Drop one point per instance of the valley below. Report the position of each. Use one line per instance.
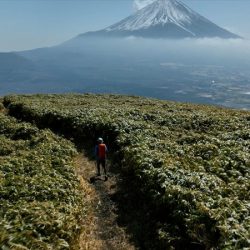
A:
(227, 86)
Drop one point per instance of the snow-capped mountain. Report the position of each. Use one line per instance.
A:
(165, 19)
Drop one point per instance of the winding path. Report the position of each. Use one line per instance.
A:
(100, 229)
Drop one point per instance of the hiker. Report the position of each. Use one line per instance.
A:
(101, 155)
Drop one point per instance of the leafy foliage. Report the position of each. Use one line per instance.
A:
(191, 162)
(40, 198)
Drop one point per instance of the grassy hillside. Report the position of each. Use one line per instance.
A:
(190, 163)
(40, 195)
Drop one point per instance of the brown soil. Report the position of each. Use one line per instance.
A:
(100, 227)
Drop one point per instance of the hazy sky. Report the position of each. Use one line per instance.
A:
(27, 24)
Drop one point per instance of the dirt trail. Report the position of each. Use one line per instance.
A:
(100, 228)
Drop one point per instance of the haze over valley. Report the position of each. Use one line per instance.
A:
(178, 61)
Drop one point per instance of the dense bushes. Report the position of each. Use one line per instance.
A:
(40, 196)
(191, 162)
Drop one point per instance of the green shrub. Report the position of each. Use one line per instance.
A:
(41, 205)
(190, 161)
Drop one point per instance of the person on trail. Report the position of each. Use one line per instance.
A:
(101, 155)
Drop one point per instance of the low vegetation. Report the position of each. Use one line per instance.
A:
(190, 163)
(40, 196)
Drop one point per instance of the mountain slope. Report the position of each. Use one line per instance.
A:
(187, 165)
(165, 19)
(14, 66)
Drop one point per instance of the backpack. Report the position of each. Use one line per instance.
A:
(102, 151)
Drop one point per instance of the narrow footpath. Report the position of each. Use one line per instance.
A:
(100, 228)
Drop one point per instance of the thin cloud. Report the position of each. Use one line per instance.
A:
(139, 4)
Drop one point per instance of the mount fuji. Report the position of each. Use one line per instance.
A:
(164, 19)
(168, 68)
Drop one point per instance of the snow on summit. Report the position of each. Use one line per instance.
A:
(158, 12)
(164, 19)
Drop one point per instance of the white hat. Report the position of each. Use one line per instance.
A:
(100, 139)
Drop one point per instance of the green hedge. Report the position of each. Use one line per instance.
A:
(40, 196)
(190, 161)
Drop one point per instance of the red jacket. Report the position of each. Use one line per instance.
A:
(101, 151)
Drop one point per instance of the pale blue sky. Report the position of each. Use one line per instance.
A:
(27, 24)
